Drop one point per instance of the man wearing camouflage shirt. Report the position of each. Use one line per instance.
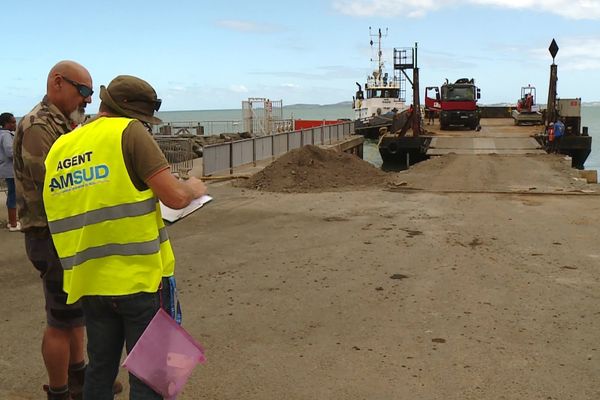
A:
(69, 90)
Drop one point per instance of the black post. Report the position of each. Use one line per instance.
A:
(416, 127)
(231, 158)
(272, 147)
(551, 107)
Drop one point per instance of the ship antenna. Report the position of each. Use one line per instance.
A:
(379, 35)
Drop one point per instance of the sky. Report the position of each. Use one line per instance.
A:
(204, 55)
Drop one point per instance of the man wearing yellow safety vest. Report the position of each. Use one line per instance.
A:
(100, 194)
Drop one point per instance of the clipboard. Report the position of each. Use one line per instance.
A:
(171, 215)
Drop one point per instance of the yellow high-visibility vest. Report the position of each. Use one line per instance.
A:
(109, 236)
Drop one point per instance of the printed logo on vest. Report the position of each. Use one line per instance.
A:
(78, 178)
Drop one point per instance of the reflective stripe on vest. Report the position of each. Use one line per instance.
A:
(103, 214)
(125, 249)
(110, 237)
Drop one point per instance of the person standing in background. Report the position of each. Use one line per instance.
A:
(559, 132)
(68, 92)
(8, 125)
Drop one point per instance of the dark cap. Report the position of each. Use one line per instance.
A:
(131, 97)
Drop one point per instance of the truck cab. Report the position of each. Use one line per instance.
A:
(456, 103)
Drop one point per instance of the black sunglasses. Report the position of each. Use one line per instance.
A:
(156, 103)
(83, 90)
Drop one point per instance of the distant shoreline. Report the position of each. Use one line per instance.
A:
(349, 105)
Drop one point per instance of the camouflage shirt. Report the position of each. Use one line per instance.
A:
(36, 133)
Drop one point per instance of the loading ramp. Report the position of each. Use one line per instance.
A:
(484, 145)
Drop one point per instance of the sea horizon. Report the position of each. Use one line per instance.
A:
(349, 104)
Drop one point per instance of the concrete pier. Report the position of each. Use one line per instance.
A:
(468, 276)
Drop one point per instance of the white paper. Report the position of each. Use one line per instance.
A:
(172, 215)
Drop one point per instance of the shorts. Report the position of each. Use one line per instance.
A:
(11, 194)
(42, 254)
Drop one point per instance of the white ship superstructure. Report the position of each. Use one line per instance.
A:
(383, 96)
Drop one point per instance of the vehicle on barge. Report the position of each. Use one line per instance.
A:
(527, 110)
(457, 105)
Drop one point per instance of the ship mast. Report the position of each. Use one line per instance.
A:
(378, 35)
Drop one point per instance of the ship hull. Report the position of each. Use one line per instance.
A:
(403, 151)
(370, 128)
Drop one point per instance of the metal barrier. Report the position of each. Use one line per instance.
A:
(226, 156)
(179, 153)
(213, 127)
(197, 128)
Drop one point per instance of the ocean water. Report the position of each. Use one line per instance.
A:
(590, 117)
(214, 120)
(231, 121)
(331, 111)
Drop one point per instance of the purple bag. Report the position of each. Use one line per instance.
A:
(164, 356)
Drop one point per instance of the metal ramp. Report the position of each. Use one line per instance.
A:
(484, 145)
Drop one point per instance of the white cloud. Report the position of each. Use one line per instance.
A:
(576, 53)
(369, 8)
(325, 73)
(247, 26)
(290, 85)
(572, 9)
(238, 88)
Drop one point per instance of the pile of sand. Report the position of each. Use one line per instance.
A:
(313, 169)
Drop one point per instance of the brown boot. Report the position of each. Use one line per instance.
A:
(59, 396)
(76, 378)
(62, 395)
(117, 388)
(12, 217)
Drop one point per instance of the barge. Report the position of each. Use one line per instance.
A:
(497, 134)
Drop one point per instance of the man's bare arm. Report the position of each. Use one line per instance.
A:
(175, 193)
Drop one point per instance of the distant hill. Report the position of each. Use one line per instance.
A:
(349, 104)
(497, 105)
(585, 104)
